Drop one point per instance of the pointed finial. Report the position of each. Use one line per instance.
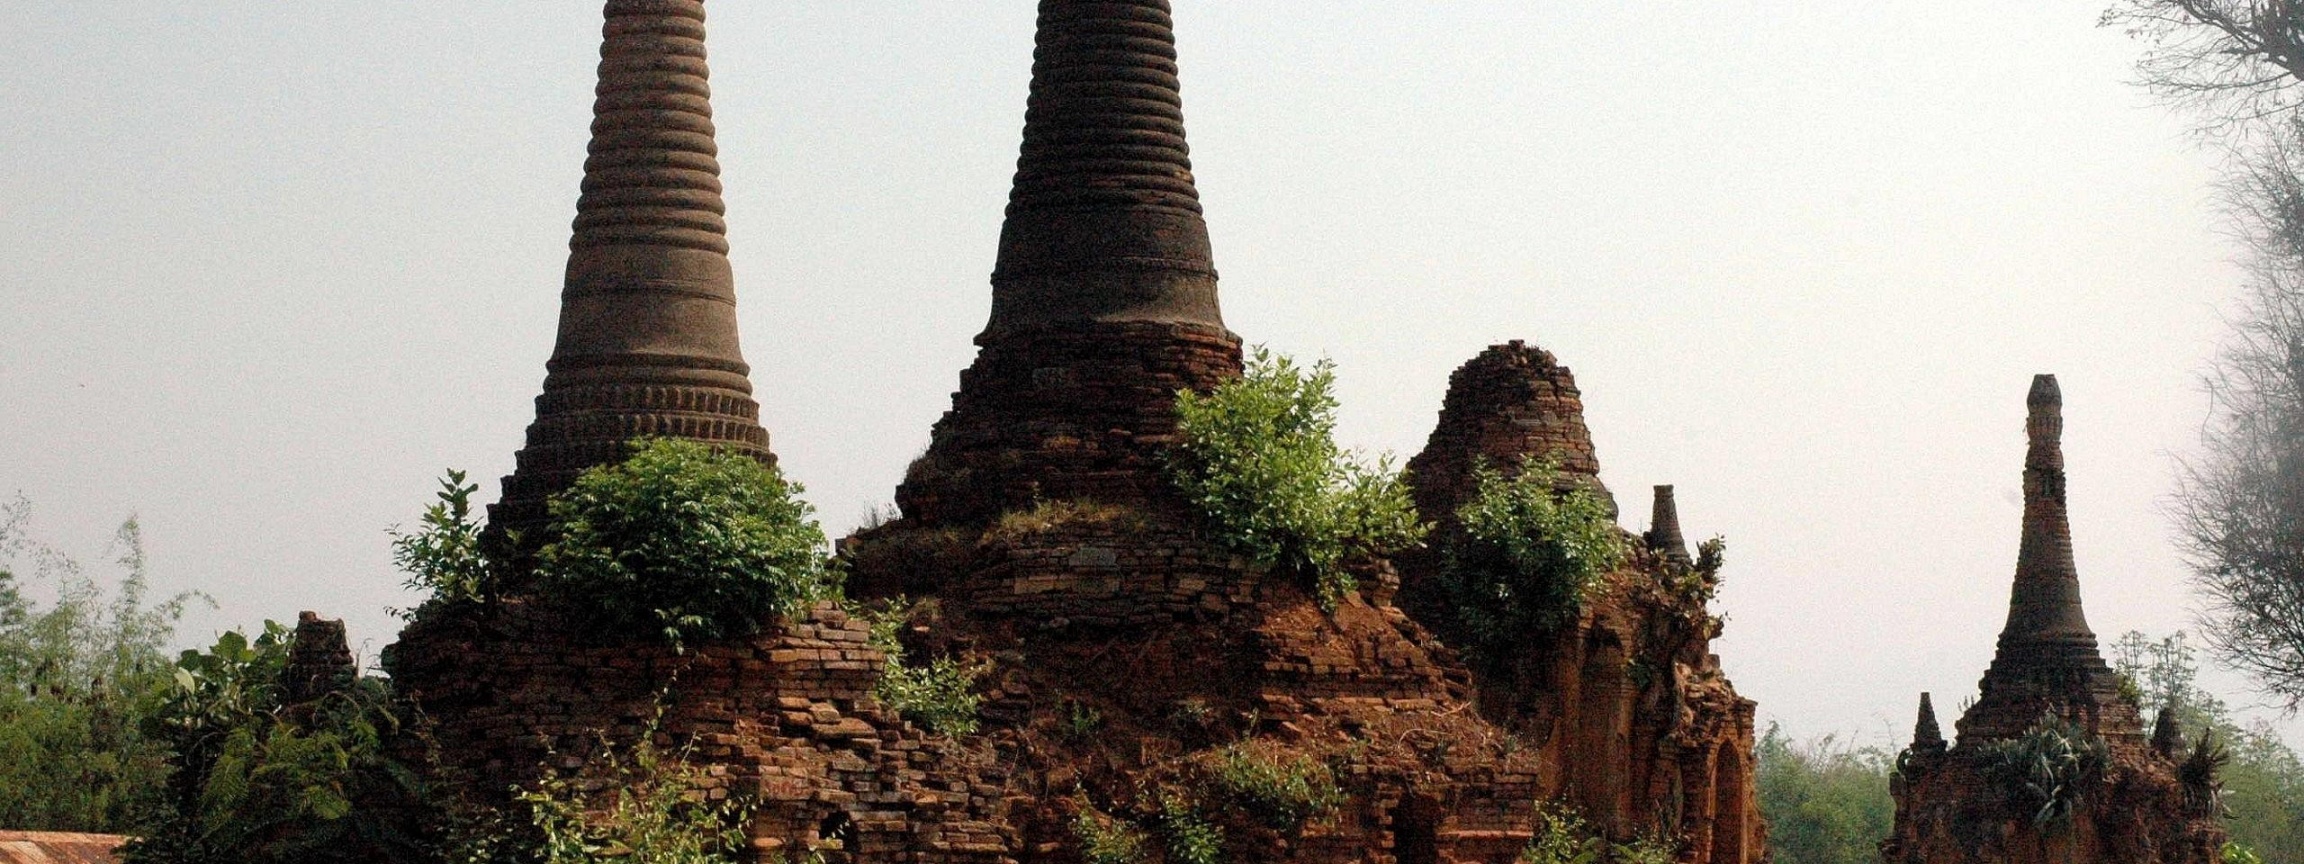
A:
(1926, 734)
(1664, 529)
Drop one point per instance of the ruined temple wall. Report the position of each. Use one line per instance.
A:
(787, 718)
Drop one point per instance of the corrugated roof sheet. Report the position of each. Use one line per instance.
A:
(40, 847)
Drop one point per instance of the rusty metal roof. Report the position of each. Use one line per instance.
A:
(39, 847)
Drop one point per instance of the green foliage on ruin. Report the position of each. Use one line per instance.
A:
(1563, 837)
(76, 674)
(1186, 832)
(939, 694)
(1106, 840)
(1283, 792)
(1528, 557)
(442, 558)
(636, 805)
(254, 778)
(2047, 773)
(1258, 457)
(1826, 802)
(683, 542)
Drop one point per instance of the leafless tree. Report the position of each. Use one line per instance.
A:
(2239, 504)
(2240, 63)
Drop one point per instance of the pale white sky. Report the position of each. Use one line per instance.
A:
(265, 270)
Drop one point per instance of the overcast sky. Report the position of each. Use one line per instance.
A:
(266, 269)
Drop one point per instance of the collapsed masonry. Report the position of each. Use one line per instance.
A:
(1963, 802)
(1046, 546)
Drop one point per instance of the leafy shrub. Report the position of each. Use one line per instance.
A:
(1826, 802)
(937, 695)
(76, 674)
(1561, 837)
(1258, 458)
(2200, 775)
(683, 541)
(1528, 556)
(2047, 772)
(656, 809)
(1189, 836)
(1283, 793)
(1105, 840)
(256, 779)
(443, 559)
(2235, 853)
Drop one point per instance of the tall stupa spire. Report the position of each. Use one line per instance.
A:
(1104, 294)
(2044, 615)
(2047, 658)
(647, 342)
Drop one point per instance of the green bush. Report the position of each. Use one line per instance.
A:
(1258, 458)
(2047, 772)
(1561, 837)
(938, 695)
(76, 676)
(1528, 557)
(443, 559)
(683, 541)
(655, 809)
(1825, 802)
(1283, 793)
(256, 779)
(1105, 840)
(1188, 835)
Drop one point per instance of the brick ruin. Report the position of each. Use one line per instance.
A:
(1954, 804)
(1044, 547)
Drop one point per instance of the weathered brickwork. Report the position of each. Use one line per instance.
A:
(1642, 729)
(1512, 403)
(1119, 652)
(1104, 295)
(1951, 809)
(1076, 413)
(788, 719)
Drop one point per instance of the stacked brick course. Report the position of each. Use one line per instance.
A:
(788, 719)
(1950, 808)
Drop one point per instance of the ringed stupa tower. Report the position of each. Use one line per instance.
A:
(1970, 802)
(647, 341)
(1104, 293)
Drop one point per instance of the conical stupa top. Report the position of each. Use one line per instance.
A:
(647, 341)
(1104, 220)
(1926, 735)
(1664, 528)
(2044, 605)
